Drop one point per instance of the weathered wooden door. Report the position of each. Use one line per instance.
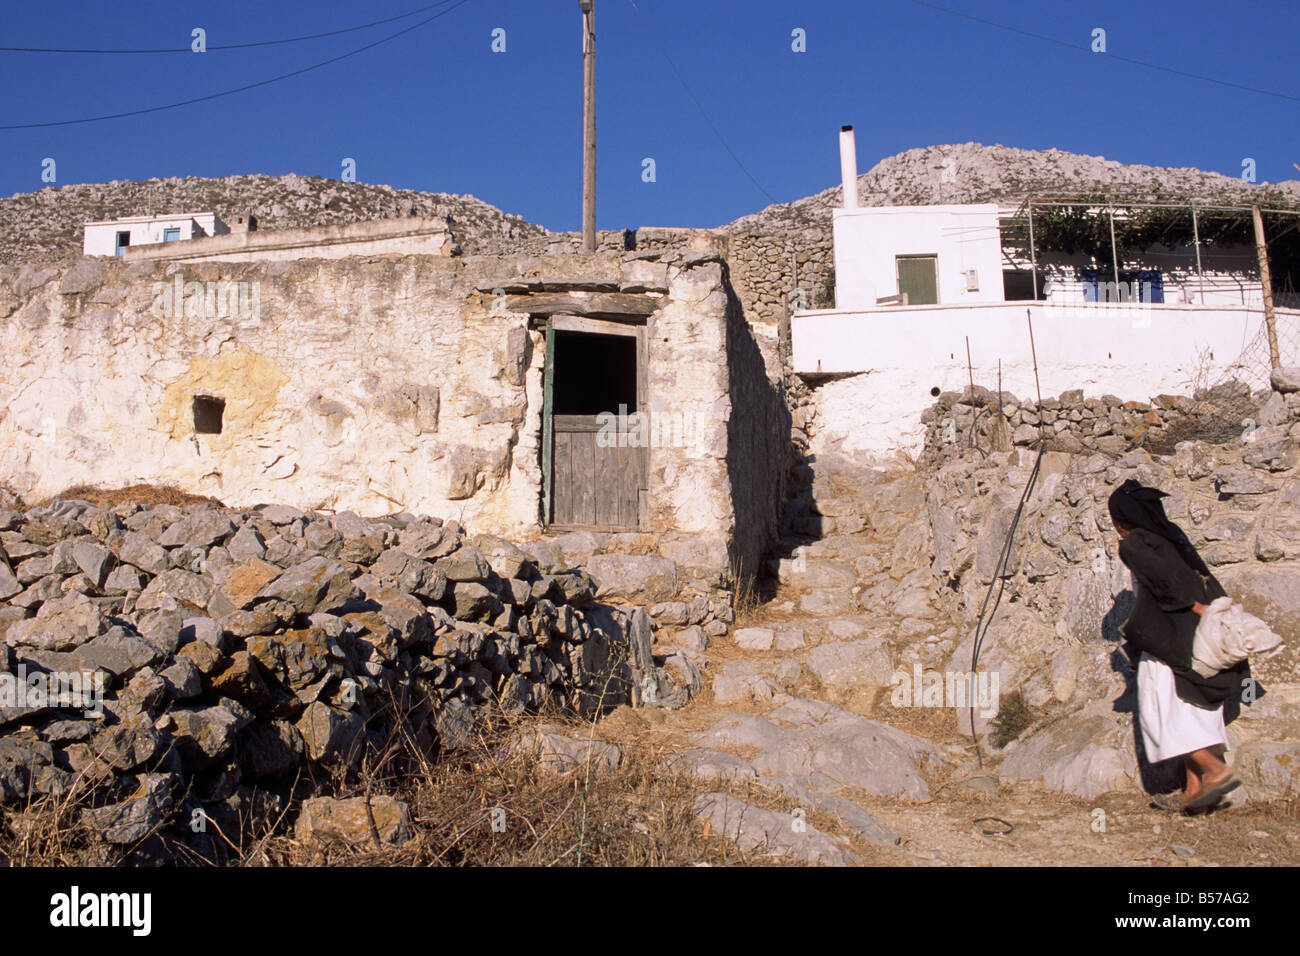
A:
(918, 279)
(595, 439)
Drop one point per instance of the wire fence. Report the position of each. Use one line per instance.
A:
(1254, 365)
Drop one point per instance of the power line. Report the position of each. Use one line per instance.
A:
(232, 46)
(698, 104)
(1111, 56)
(240, 89)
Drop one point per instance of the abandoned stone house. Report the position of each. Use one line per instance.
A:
(619, 398)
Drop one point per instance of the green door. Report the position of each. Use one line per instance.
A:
(918, 278)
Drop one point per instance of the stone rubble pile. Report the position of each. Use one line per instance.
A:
(195, 659)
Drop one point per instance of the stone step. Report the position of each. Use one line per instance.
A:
(807, 572)
(820, 525)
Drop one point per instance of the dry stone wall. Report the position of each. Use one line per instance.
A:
(1106, 423)
(177, 661)
(1063, 593)
(773, 271)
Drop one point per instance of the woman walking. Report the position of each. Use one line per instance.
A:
(1180, 712)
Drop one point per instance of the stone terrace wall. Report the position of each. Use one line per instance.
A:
(1054, 639)
(1105, 423)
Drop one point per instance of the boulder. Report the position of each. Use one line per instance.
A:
(639, 578)
(1286, 379)
(1083, 755)
(62, 624)
(140, 815)
(317, 583)
(756, 830)
(846, 664)
(355, 820)
(559, 753)
(329, 733)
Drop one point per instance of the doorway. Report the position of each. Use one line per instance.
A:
(595, 452)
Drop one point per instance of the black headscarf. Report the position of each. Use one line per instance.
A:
(1137, 506)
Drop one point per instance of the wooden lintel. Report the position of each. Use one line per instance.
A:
(612, 305)
(578, 323)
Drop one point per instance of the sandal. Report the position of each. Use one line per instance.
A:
(1167, 801)
(1213, 793)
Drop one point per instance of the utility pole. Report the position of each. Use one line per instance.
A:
(1266, 280)
(588, 8)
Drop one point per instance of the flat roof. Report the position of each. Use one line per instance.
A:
(173, 215)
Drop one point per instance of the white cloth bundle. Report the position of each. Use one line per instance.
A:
(1226, 635)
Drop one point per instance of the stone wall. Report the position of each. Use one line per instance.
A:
(1054, 637)
(773, 272)
(165, 662)
(384, 237)
(1106, 423)
(760, 446)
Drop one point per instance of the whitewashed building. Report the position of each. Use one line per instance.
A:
(929, 298)
(112, 237)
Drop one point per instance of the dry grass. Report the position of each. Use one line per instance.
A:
(142, 494)
(50, 831)
(491, 804)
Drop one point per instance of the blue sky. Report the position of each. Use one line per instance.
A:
(437, 110)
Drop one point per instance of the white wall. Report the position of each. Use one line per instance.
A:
(1133, 352)
(868, 239)
(101, 237)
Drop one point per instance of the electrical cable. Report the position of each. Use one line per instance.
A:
(231, 46)
(982, 624)
(681, 79)
(1112, 56)
(240, 89)
(1000, 579)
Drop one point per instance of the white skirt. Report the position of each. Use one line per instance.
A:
(1172, 727)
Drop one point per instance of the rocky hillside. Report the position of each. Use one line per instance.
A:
(48, 224)
(972, 172)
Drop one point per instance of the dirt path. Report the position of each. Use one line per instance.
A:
(811, 642)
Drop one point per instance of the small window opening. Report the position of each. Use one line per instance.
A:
(207, 414)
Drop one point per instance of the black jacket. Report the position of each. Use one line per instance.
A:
(1163, 623)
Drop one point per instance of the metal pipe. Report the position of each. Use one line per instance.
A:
(849, 166)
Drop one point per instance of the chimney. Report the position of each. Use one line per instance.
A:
(849, 166)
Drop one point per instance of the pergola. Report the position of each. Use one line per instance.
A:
(1088, 224)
